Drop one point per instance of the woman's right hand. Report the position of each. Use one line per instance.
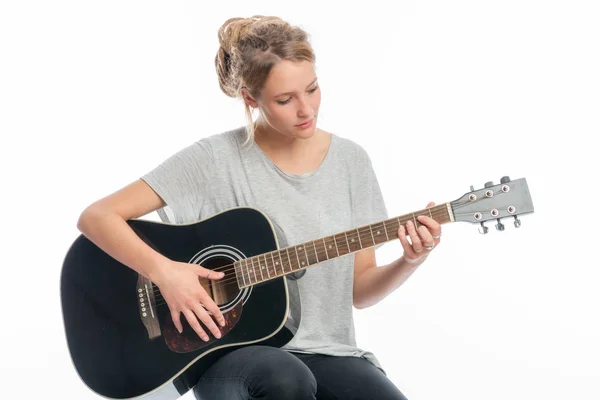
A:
(179, 285)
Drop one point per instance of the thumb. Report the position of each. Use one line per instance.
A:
(431, 204)
(210, 274)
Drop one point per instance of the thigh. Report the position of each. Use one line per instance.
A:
(349, 378)
(257, 372)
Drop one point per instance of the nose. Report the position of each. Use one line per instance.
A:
(305, 109)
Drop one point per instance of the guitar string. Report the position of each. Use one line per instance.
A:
(320, 255)
(222, 283)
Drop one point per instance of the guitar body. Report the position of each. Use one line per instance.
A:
(120, 351)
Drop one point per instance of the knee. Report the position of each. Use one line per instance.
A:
(289, 379)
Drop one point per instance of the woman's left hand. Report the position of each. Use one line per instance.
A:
(422, 240)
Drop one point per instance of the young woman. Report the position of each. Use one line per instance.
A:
(310, 183)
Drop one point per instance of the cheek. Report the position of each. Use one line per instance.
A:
(280, 115)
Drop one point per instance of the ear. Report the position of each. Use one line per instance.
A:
(248, 99)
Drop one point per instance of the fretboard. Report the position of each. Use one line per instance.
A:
(264, 267)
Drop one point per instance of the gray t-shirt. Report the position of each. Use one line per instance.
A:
(218, 172)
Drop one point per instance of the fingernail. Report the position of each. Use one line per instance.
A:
(222, 323)
(221, 274)
(218, 336)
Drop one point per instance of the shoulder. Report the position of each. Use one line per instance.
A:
(222, 142)
(351, 150)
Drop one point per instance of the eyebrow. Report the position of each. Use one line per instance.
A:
(281, 94)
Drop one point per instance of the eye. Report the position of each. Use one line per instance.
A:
(284, 102)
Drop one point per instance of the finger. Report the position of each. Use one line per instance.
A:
(430, 204)
(193, 321)
(433, 226)
(210, 274)
(206, 320)
(426, 237)
(175, 316)
(404, 241)
(414, 237)
(211, 306)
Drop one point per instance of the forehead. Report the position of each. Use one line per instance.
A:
(289, 76)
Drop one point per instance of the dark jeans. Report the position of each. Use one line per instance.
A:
(270, 373)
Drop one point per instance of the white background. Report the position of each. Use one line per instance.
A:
(443, 95)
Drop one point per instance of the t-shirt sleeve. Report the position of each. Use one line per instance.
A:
(183, 181)
(369, 206)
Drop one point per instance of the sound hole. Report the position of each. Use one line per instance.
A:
(223, 290)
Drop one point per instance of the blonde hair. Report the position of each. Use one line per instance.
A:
(249, 48)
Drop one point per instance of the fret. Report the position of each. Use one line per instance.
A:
(268, 269)
(236, 268)
(260, 268)
(353, 241)
(415, 220)
(316, 252)
(254, 270)
(285, 260)
(292, 260)
(302, 261)
(371, 230)
(366, 235)
(277, 262)
(378, 233)
(311, 258)
(359, 241)
(268, 266)
(342, 251)
(244, 274)
(385, 229)
(325, 248)
(336, 246)
(430, 216)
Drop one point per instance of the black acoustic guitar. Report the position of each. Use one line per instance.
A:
(118, 327)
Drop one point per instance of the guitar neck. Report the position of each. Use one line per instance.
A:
(281, 262)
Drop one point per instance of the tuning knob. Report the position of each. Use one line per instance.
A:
(517, 221)
(484, 229)
(488, 184)
(505, 179)
(499, 225)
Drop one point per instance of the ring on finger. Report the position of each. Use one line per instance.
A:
(438, 236)
(208, 274)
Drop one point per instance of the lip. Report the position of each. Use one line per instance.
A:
(306, 124)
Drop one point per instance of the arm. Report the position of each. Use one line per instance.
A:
(372, 283)
(105, 224)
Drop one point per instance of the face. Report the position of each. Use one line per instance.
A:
(291, 97)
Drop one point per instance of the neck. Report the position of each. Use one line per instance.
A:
(275, 142)
(264, 267)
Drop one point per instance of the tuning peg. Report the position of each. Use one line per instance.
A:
(488, 184)
(484, 229)
(517, 221)
(505, 179)
(499, 225)
(472, 188)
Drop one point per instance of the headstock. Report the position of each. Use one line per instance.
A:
(494, 202)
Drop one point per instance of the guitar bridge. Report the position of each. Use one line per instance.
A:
(147, 306)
